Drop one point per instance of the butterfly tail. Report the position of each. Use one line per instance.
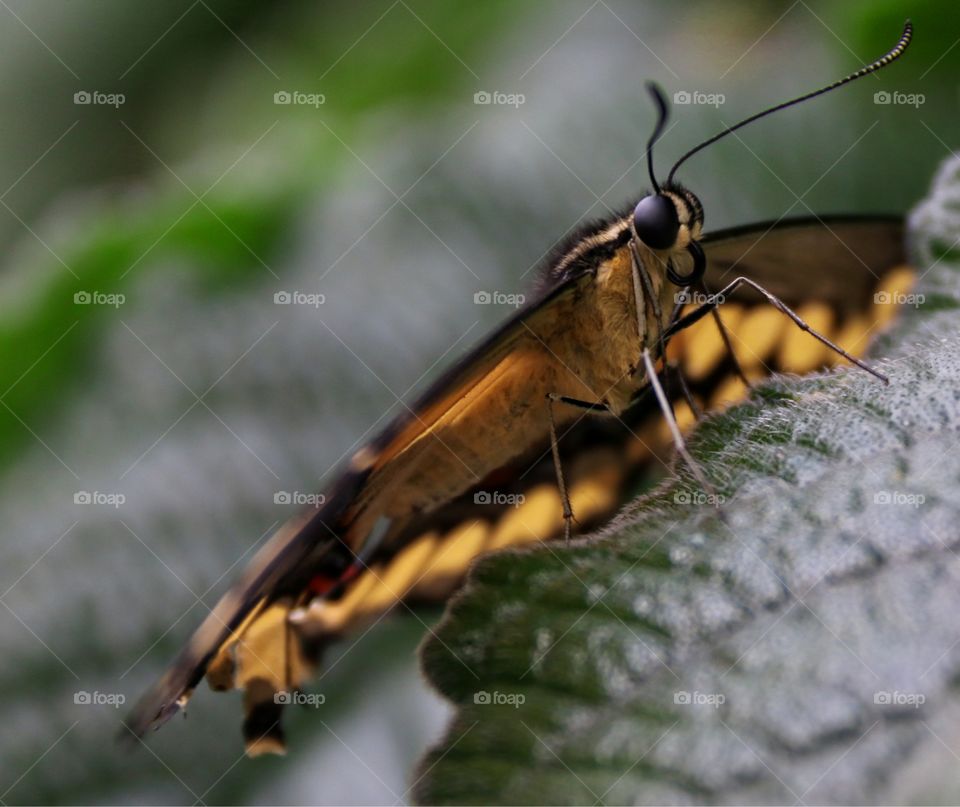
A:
(245, 641)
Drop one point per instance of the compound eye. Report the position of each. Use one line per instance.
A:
(655, 220)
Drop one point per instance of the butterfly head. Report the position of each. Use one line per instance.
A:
(670, 221)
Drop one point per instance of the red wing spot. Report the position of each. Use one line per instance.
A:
(321, 584)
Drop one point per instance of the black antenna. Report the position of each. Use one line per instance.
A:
(662, 114)
(890, 56)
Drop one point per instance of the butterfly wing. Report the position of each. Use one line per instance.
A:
(835, 259)
(835, 264)
(831, 271)
(327, 541)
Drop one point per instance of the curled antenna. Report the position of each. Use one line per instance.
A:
(662, 115)
(894, 53)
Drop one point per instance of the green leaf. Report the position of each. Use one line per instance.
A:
(804, 648)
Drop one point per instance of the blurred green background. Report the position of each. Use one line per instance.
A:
(146, 366)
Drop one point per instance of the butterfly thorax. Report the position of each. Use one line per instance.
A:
(611, 337)
(625, 308)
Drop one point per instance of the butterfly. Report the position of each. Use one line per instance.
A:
(641, 322)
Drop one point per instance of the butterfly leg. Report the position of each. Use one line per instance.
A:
(725, 336)
(672, 369)
(552, 398)
(671, 419)
(776, 302)
(685, 389)
(643, 291)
